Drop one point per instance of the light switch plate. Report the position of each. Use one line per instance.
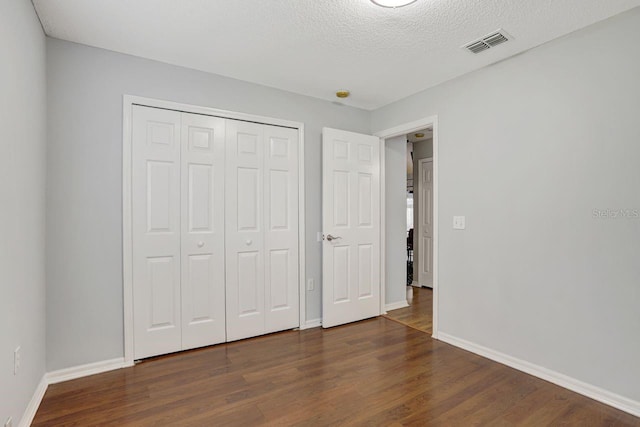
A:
(459, 222)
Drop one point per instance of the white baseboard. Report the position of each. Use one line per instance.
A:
(601, 395)
(86, 370)
(313, 323)
(396, 305)
(34, 403)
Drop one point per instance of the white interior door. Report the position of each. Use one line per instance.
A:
(261, 229)
(425, 222)
(202, 237)
(351, 226)
(156, 231)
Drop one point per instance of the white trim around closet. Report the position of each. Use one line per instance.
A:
(128, 102)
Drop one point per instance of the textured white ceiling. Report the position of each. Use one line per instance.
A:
(315, 47)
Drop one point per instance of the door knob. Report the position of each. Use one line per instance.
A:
(248, 242)
(200, 244)
(330, 237)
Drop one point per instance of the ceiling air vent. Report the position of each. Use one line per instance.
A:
(487, 42)
(478, 47)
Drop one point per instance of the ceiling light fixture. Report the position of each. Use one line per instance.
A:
(392, 3)
(343, 94)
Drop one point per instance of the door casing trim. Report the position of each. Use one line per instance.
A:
(399, 130)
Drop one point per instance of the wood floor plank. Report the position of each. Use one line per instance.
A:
(376, 372)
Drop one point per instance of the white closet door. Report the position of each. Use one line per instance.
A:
(261, 229)
(202, 241)
(281, 228)
(215, 230)
(244, 230)
(156, 231)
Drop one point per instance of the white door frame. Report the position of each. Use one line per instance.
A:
(127, 242)
(399, 130)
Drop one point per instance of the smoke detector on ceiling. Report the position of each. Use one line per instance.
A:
(492, 39)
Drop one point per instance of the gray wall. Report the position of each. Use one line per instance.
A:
(421, 150)
(396, 218)
(22, 189)
(528, 148)
(84, 243)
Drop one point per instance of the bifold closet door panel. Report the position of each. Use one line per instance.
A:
(261, 229)
(244, 219)
(281, 228)
(202, 237)
(156, 231)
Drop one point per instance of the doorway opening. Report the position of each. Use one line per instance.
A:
(418, 196)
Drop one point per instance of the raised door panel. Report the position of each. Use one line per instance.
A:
(156, 231)
(160, 197)
(341, 274)
(249, 284)
(366, 270)
(248, 198)
(279, 281)
(198, 278)
(201, 190)
(365, 200)
(427, 257)
(161, 285)
(341, 199)
(202, 238)
(279, 203)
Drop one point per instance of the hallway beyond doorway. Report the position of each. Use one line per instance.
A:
(419, 314)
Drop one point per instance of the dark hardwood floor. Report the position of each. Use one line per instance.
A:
(419, 314)
(372, 373)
